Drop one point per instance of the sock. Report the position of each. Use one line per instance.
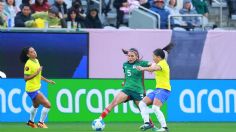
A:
(33, 112)
(144, 113)
(159, 115)
(44, 114)
(104, 113)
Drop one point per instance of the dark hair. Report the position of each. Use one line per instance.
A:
(175, 3)
(23, 55)
(161, 53)
(38, 4)
(23, 5)
(131, 50)
(76, 4)
(14, 3)
(71, 11)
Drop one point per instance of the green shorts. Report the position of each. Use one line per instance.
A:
(133, 95)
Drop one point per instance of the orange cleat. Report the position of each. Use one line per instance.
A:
(31, 124)
(42, 125)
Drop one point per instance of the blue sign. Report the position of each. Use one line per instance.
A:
(14, 102)
(62, 55)
(202, 100)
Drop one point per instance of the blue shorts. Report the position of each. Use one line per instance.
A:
(33, 94)
(160, 94)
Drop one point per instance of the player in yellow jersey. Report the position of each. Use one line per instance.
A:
(33, 77)
(162, 91)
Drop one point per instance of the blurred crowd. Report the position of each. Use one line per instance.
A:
(38, 14)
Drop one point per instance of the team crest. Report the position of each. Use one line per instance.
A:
(134, 66)
(26, 68)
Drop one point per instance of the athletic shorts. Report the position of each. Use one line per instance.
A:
(33, 94)
(133, 95)
(160, 94)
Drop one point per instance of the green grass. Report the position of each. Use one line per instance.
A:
(119, 127)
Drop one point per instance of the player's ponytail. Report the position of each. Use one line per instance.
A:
(161, 53)
(23, 55)
(125, 51)
(168, 47)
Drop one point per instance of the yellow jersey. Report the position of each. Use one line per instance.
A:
(31, 66)
(163, 76)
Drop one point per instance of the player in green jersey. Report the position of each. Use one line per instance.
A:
(133, 85)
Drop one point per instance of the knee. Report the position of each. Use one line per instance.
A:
(35, 105)
(141, 104)
(48, 105)
(155, 108)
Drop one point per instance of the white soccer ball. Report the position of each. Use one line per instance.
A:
(98, 125)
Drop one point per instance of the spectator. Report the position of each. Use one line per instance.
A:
(73, 17)
(23, 18)
(171, 7)
(25, 2)
(2, 16)
(120, 14)
(76, 4)
(92, 20)
(159, 7)
(145, 3)
(52, 17)
(10, 10)
(40, 5)
(106, 6)
(132, 4)
(232, 7)
(191, 22)
(201, 7)
(62, 7)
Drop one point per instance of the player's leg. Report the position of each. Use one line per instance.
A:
(41, 99)
(33, 109)
(160, 97)
(150, 120)
(144, 110)
(120, 97)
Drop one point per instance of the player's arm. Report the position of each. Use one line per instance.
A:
(29, 77)
(151, 68)
(47, 80)
(144, 88)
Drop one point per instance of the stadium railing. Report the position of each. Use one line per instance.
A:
(220, 3)
(187, 15)
(154, 13)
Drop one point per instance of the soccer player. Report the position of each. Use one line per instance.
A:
(133, 84)
(163, 89)
(33, 77)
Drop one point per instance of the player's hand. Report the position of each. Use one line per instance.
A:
(51, 82)
(139, 68)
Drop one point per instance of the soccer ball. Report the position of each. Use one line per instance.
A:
(98, 125)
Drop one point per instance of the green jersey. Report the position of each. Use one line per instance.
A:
(133, 77)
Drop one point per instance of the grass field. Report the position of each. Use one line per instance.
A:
(120, 127)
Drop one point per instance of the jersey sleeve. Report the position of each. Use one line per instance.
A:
(27, 69)
(144, 63)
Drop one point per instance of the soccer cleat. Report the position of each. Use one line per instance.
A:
(31, 124)
(146, 126)
(42, 125)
